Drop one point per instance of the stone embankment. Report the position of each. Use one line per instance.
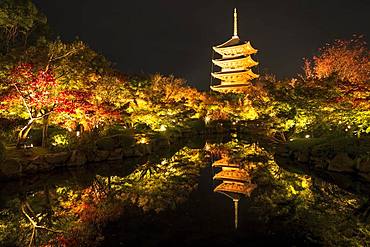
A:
(105, 149)
(350, 156)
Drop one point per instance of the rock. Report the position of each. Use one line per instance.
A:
(160, 143)
(90, 155)
(117, 154)
(128, 152)
(137, 152)
(107, 143)
(30, 168)
(302, 156)
(78, 158)
(143, 149)
(365, 176)
(38, 164)
(320, 163)
(43, 166)
(101, 155)
(364, 166)
(11, 168)
(57, 158)
(341, 163)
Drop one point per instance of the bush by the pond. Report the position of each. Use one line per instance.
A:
(61, 140)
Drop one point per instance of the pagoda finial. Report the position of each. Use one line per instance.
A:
(235, 23)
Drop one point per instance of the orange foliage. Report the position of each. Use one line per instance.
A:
(347, 59)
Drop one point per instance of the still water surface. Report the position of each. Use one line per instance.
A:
(170, 199)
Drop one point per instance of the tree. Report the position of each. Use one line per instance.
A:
(346, 59)
(37, 91)
(342, 72)
(19, 19)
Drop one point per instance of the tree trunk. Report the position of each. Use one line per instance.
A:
(45, 125)
(23, 133)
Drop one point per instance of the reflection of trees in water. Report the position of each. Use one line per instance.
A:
(72, 214)
(295, 203)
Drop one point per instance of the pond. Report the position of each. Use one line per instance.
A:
(175, 198)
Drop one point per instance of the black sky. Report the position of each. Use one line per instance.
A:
(175, 37)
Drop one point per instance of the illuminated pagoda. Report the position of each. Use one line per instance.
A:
(235, 64)
(236, 182)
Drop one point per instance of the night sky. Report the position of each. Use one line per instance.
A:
(175, 37)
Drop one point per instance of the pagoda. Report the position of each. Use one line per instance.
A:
(236, 63)
(235, 182)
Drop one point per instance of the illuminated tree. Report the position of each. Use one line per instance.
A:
(35, 90)
(346, 59)
(19, 21)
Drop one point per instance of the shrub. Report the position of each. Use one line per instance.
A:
(60, 140)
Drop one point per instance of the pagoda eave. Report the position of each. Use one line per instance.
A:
(231, 51)
(234, 175)
(230, 88)
(234, 187)
(242, 62)
(224, 163)
(235, 76)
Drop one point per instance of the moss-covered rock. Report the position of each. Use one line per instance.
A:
(57, 158)
(11, 168)
(341, 163)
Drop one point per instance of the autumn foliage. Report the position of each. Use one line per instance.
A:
(346, 59)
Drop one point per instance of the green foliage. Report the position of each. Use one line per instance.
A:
(20, 21)
(61, 140)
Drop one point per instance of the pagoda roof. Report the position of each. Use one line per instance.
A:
(230, 58)
(234, 174)
(234, 48)
(231, 42)
(236, 87)
(225, 162)
(235, 75)
(235, 187)
(231, 72)
(240, 61)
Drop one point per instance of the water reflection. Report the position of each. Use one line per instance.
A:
(79, 208)
(235, 180)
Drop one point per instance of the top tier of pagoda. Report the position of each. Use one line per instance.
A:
(235, 63)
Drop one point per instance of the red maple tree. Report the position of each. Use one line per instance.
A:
(40, 94)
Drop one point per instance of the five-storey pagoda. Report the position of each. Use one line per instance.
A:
(235, 64)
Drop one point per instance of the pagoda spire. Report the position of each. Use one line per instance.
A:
(235, 24)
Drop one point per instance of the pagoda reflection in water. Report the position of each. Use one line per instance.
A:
(235, 64)
(235, 182)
